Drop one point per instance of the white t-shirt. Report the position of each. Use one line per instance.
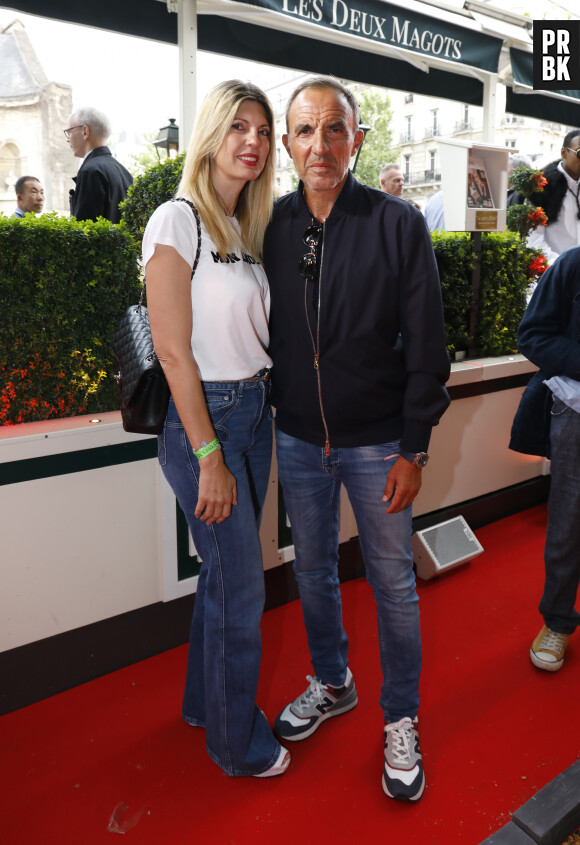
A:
(230, 300)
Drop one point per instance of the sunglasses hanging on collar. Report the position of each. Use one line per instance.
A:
(308, 262)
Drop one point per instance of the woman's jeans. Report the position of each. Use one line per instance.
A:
(311, 484)
(225, 642)
(562, 549)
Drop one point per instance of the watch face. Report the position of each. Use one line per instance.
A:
(421, 459)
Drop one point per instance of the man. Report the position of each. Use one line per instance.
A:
(102, 182)
(560, 201)
(392, 179)
(360, 364)
(435, 212)
(548, 336)
(29, 196)
(516, 160)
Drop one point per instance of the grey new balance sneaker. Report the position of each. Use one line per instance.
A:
(303, 716)
(403, 776)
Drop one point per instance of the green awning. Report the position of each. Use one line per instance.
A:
(394, 26)
(247, 41)
(312, 54)
(522, 98)
(142, 18)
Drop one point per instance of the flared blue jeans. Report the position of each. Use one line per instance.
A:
(225, 641)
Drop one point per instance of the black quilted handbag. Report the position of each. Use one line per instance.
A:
(142, 388)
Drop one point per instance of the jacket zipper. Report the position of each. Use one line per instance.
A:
(317, 350)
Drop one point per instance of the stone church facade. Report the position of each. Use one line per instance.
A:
(33, 112)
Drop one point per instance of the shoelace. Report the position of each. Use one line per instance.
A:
(313, 692)
(402, 737)
(552, 640)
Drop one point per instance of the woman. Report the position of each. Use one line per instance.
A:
(211, 334)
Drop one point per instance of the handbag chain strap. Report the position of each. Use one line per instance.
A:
(198, 251)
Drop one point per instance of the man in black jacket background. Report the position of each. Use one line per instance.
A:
(360, 363)
(101, 182)
(561, 201)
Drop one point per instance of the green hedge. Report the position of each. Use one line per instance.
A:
(505, 280)
(148, 191)
(63, 287)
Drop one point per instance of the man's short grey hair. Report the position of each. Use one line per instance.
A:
(520, 160)
(326, 82)
(386, 167)
(98, 122)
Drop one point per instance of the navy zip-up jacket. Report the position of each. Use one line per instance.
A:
(549, 336)
(383, 362)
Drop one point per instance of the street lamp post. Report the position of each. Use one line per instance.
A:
(364, 128)
(168, 139)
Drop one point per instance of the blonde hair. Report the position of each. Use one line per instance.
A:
(254, 208)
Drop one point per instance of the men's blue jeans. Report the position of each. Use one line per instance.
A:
(225, 641)
(562, 549)
(311, 484)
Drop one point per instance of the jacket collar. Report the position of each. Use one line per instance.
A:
(98, 151)
(344, 203)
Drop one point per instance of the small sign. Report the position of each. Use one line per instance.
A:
(486, 219)
(557, 55)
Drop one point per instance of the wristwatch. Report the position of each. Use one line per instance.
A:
(420, 459)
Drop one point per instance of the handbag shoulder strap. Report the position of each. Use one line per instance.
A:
(198, 251)
(198, 224)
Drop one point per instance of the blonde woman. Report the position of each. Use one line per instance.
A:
(211, 335)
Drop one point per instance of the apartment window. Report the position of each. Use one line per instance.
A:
(511, 145)
(407, 168)
(408, 98)
(409, 128)
(432, 159)
(435, 121)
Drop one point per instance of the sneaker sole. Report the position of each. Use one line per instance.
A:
(544, 664)
(404, 797)
(275, 771)
(309, 731)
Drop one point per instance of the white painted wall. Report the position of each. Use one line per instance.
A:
(90, 545)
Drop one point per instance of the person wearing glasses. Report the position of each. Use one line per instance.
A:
(101, 182)
(29, 196)
(360, 365)
(560, 201)
(209, 302)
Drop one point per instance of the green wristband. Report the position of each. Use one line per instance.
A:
(207, 448)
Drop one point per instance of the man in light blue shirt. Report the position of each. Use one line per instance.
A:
(29, 196)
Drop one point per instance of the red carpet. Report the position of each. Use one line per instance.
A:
(494, 730)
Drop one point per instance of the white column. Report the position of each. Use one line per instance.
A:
(490, 106)
(187, 42)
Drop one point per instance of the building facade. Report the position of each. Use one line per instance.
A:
(419, 123)
(33, 112)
